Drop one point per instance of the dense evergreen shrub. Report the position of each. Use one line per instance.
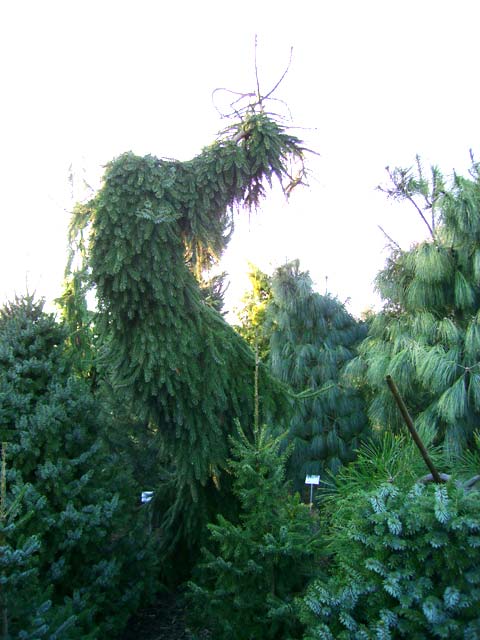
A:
(25, 610)
(405, 555)
(93, 559)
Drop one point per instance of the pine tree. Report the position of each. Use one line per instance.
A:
(427, 336)
(174, 361)
(92, 557)
(254, 568)
(313, 337)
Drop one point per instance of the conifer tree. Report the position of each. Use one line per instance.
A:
(253, 326)
(427, 336)
(313, 337)
(172, 359)
(254, 568)
(93, 560)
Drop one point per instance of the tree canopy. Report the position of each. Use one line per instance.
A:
(427, 336)
(313, 337)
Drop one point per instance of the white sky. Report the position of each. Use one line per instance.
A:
(373, 82)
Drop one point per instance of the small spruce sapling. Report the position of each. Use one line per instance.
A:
(249, 577)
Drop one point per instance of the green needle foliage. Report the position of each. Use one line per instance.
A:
(253, 569)
(253, 315)
(412, 569)
(404, 555)
(92, 556)
(156, 225)
(80, 341)
(313, 337)
(428, 335)
(24, 610)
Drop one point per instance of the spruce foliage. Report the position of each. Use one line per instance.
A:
(404, 553)
(25, 610)
(427, 336)
(80, 339)
(253, 315)
(406, 566)
(253, 569)
(313, 337)
(173, 360)
(92, 559)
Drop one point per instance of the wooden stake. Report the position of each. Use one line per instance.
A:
(414, 433)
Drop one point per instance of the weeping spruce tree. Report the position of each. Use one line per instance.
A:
(313, 337)
(156, 226)
(427, 336)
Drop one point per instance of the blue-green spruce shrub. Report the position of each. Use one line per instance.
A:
(407, 566)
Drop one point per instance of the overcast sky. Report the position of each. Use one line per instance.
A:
(372, 84)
